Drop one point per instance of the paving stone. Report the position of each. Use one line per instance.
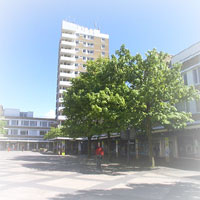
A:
(31, 175)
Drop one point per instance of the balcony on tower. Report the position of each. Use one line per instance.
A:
(67, 51)
(60, 100)
(67, 75)
(68, 35)
(65, 82)
(60, 108)
(67, 58)
(61, 91)
(67, 65)
(68, 43)
(61, 117)
(70, 67)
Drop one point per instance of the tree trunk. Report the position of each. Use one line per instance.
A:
(149, 134)
(89, 147)
(108, 144)
(136, 149)
(128, 146)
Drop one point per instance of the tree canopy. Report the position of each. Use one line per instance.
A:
(127, 91)
(53, 133)
(2, 127)
(97, 100)
(159, 88)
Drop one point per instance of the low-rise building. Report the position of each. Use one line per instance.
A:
(23, 131)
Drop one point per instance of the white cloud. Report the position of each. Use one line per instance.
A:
(50, 114)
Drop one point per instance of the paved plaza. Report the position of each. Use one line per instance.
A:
(34, 176)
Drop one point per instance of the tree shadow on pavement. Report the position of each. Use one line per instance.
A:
(179, 163)
(80, 164)
(175, 191)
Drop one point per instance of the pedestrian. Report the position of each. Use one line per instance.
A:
(156, 150)
(99, 156)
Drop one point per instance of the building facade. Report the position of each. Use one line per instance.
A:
(77, 45)
(189, 138)
(23, 131)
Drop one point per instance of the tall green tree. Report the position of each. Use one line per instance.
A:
(97, 101)
(160, 88)
(110, 101)
(127, 91)
(2, 126)
(53, 133)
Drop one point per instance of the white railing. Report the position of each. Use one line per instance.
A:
(72, 67)
(66, 35)
(60, 100)
(67, 43)
(68, 75)
(61, 91)
(60, 108)
(68, 51)
(66, 83)
(62, 117)
(65, 58)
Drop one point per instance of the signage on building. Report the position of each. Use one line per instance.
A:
(128, 134)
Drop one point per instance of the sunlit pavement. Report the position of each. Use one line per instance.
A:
(33, 176)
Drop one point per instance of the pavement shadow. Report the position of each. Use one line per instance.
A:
(177, 191)
(85, 165)
(80, 164)
(179, 163)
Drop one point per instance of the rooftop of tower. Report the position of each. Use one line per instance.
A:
(82, 30)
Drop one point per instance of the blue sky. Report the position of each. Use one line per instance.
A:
(30, 33)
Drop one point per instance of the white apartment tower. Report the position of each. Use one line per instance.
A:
(77, 45)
